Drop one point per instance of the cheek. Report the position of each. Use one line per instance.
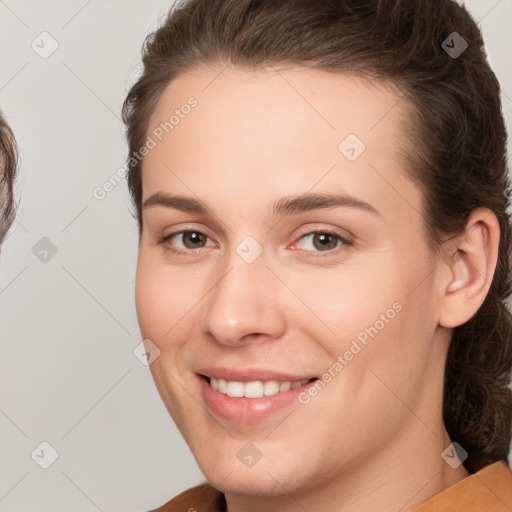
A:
(165, 298)
(155, 298)
(350, 300)
(145, 291)
(161, 311)
(380, 309)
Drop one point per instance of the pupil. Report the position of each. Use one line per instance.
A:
(194, 237)
(325, 240)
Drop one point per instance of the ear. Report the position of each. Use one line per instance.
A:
(469, 262)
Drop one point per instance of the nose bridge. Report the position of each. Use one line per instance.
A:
(243, 301)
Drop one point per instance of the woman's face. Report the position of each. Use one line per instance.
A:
(283, 241)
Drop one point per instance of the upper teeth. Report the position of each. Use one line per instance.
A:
(255, 389)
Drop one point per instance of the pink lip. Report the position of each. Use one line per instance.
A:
(247, 410)
(250, 375)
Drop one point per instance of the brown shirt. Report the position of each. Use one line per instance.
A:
(488, 490)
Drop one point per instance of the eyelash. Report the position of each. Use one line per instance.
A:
(309, 254)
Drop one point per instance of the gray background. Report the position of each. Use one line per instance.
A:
(68, 325)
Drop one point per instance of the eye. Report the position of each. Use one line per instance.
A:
(322, 241)
(183, 241)
(314, 242)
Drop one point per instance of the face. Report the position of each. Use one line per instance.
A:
(283, 250)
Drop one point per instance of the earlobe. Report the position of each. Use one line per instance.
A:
(471, 261)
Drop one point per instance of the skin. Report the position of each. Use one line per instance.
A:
(372, 438)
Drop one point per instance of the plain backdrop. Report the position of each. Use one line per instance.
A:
(68, 375)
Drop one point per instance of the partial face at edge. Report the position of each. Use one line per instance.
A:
(209, 299)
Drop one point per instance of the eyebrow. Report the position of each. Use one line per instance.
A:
(283, 207)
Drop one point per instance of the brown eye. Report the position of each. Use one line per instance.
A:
(321, 241)
(187, 239)
(322, 244)
(325, 241)
(193, 239)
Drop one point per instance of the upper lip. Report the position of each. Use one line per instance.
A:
(250, 374)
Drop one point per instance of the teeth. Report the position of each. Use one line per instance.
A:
(222, 385)
(254, 389)
(235, 389)
(285, 386)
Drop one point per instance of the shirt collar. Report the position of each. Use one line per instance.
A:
(487, 490)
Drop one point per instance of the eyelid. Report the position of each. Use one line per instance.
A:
(348, 236)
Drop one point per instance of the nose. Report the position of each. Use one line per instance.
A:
(245, 305)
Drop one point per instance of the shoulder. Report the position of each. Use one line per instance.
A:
(202, 498)
(488, 490)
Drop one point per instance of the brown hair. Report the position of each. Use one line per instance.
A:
(459, 139)
(8, 166)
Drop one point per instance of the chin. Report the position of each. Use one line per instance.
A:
(249, 483)
(262, 479)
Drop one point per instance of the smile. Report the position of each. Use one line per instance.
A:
(254, 389)
(249, 400)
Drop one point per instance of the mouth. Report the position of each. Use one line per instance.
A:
(254, 389)
(250, 395)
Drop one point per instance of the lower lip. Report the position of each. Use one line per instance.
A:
(247, 410)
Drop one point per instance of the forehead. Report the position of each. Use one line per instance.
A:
(278, 132)
(277, 101)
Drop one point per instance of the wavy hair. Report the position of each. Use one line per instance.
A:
(8, 167)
